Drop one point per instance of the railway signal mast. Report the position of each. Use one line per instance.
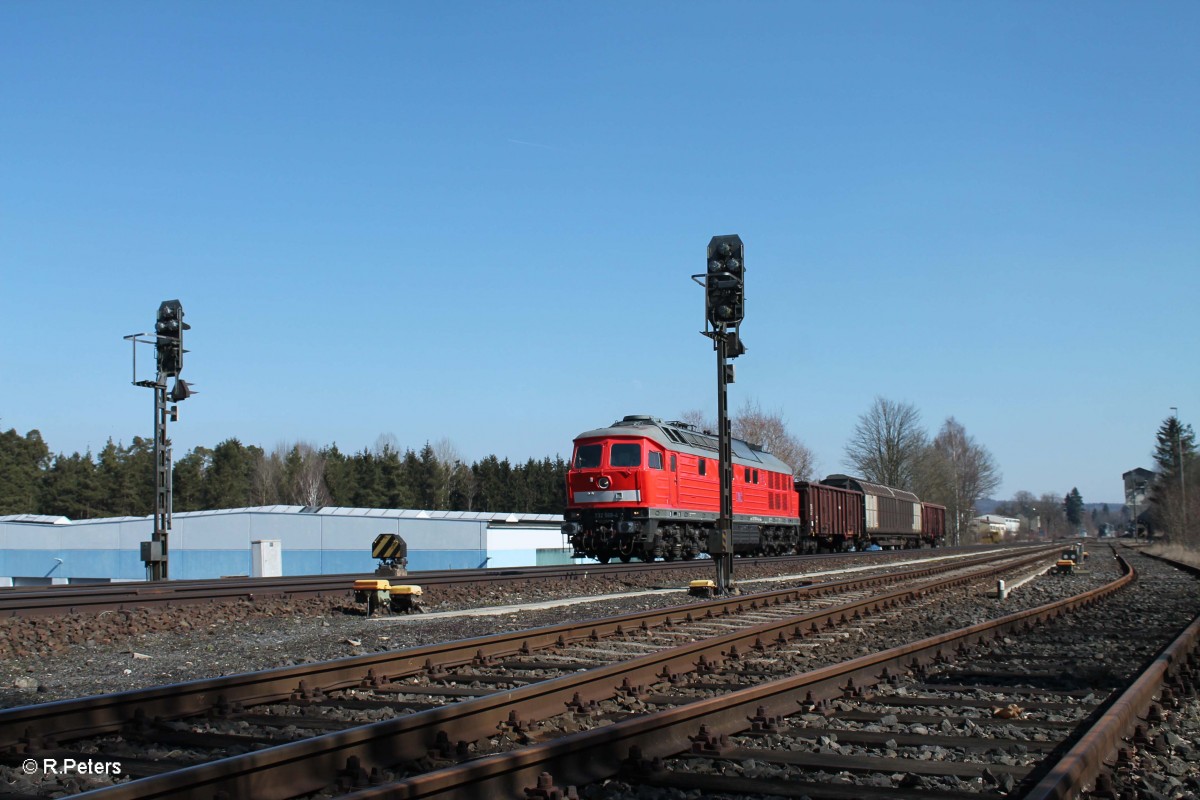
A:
(724, 309)
(168, 357)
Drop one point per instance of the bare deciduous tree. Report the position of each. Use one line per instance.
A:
(752, 424)
(1050, 512)
(456, 482)
(1023, 506)
(696, 418)
(960, 472)
(266, 481)
(756, 426)
(304, 476)
(888, 444)
(291, 473)
(385, 443)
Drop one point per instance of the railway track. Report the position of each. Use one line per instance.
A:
(49, 601)
(546, 670)
(988, 709)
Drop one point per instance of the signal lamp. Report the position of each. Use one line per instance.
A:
(724, 287)
(169, 346)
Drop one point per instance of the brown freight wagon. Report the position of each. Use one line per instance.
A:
(830, 518)
(891, 517)
(933, 524)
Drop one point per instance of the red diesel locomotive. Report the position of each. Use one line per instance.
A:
(650, 489)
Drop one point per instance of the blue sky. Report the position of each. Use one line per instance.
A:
(477, 220)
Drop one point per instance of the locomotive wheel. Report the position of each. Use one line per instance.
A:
(625, 559)
(602, 559)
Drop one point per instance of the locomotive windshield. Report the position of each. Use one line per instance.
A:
(625, 455)
(587, 456)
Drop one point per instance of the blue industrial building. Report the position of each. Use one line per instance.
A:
(211, 544)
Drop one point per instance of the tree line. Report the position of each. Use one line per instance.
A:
(119, 481)
(888, 446)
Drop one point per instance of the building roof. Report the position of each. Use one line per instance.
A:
(491, 517)
(680, 437)
(36, 519)
(1138, 472)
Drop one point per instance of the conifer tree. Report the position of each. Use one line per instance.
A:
(1073, 508)
(1171, 497)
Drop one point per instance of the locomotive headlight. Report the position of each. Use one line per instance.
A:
(604, 483)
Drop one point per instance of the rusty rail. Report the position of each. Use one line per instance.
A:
(49, 601)
(312, 764)
(1085, 761)
(603, 752)
(87, 716)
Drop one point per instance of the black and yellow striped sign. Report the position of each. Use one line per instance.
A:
(389, 545)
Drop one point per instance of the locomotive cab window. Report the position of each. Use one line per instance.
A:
(625, 455)
(587, 456)
(747, 474)
(672, 462)
(701, 467)
(654, 460)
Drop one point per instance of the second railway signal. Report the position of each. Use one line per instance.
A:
(168, 356)
(169, 329)
(724, 287)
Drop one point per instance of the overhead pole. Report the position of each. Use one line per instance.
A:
(168, 352)
(724, 303)
(722, 554)
(1183, 509)
(156, 566)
